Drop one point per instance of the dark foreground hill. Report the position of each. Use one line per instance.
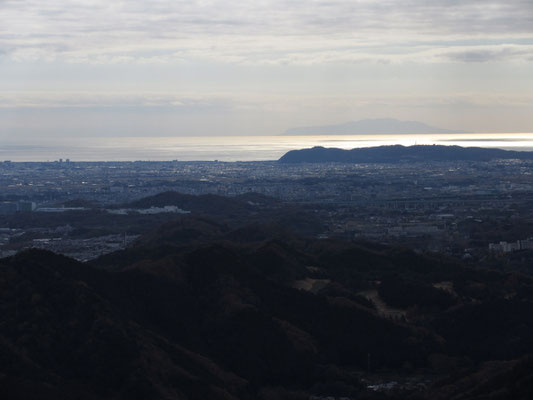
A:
(398, 153)
(255, 313)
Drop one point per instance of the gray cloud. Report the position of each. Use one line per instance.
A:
(247, 31)
(502, 53)
(261, 67)
(84, 100)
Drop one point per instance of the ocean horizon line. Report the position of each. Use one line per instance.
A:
(234, 148)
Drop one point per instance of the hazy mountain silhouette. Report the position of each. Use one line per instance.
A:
(381, 126)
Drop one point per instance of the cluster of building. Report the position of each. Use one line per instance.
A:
(148, 211)
(87, 248)
(505, 247)
(441, 206)
(12, 207)
(115, 182)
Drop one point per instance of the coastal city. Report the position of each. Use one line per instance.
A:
(468, 209)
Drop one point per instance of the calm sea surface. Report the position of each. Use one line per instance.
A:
(234, 148)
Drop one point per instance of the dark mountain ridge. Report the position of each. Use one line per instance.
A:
(398, 153)
(237, 313)
(206, 203)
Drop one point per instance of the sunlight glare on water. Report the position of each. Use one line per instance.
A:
(237, 148)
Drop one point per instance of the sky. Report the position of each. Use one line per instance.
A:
(72, 68)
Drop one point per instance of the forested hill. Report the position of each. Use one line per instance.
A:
(398, 153)
(254, 313)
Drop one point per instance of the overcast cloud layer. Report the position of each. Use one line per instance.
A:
(259, 67)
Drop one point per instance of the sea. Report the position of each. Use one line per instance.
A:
(234, 148)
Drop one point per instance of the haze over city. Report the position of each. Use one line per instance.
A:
(188, 68)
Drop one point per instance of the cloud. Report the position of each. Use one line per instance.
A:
(277, 103)
(490, 53)
(272, 64)
(272, 32)
(107, 100)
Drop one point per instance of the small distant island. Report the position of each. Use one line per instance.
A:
(380, 126)
(398, 153)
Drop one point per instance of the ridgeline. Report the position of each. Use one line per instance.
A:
(256, 313)
(400, 154)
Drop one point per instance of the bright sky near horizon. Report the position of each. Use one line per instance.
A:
(73, 68)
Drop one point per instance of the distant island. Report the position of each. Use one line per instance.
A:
(381, 126)
(398, 153)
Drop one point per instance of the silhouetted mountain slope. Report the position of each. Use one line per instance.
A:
(187, 230)
(398, 153)
(496, 380)
(209, 204)
(239, 314)
(236, 211)
(57, 321)
(224, 213)
(257, 325)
